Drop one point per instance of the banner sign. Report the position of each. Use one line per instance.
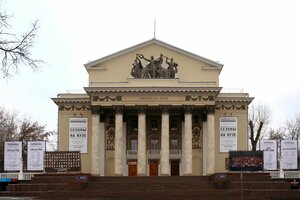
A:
(78, 134)
(289, 154)
(246, 161)
(35, 155)
(269, 147)
(228, 134)
(12, 156)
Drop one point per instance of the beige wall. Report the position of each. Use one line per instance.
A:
(241, 137)
(63, 143)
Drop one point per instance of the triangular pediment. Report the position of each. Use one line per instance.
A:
(117, 69)
(150, 42)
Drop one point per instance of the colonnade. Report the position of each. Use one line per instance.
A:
(187, 154)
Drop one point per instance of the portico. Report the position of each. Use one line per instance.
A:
(153, 110)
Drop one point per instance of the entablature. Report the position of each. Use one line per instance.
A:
(238, 101)
(72, 103)
(153, 95)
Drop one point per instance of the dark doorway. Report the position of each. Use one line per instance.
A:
(153, 165)
(132, 168)
(174, 167)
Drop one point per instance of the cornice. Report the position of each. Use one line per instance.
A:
(137, 90)
(243, 100)
(233, 103)
(59, 101)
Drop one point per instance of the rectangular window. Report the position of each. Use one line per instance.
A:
(134, 144)
(154, 144)
(174, 144)
(154, 125)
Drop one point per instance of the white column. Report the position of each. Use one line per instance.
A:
(102, 149)
(210, 141)
(142, 161)
(119, 168)
(164, 153)
(204, 149)
(124, 154)
(188, 153)
(95, 144)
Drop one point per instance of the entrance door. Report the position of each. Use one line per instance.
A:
(174, 167)
(132, 168)
(153, 167)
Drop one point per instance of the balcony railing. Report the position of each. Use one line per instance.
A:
(131, 152)
(175, 151)
(153, 152)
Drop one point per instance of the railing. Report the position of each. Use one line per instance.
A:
(175, 151)
(27, 176)
(131, 152)
(287, 174)
(153, 152)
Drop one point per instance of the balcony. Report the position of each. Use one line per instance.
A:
(131, 154)
(153, 153)
(175, 153)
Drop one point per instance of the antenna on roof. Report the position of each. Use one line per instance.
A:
(154, 28)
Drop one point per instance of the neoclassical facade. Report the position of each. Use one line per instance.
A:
(153, 110)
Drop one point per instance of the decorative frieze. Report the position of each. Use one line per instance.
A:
(231, 107)
(199, 98)
(74, 108)
(107, 98)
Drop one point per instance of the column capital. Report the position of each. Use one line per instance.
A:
(165, 108)
(118, 109)
(187, 109)
(142, 108)
(96, 110)
(210, 109)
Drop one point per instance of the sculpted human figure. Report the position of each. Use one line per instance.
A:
(159, 69)
(151, 67)
(172, 69)
(137, 68)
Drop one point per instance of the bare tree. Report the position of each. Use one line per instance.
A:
(278, 134)
(259, 118)
(293, 128)
(14, 129)
(14, 49)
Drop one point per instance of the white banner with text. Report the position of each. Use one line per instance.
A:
(78, 134)
(12, 156)
(269, 147)
(35, 155)
(289, 154)
(228, 134)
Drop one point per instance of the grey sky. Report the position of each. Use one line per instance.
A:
(257, 41)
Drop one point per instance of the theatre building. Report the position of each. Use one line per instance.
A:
(153, 110)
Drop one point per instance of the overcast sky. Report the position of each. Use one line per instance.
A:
(258, 42)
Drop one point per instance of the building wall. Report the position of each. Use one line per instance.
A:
(63, 143)
(242, 119)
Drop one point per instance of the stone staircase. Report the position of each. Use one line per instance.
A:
(219, 186)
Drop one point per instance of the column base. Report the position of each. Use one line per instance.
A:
(187, 174)
(164, 175)
(119, 175)
(142, 175)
